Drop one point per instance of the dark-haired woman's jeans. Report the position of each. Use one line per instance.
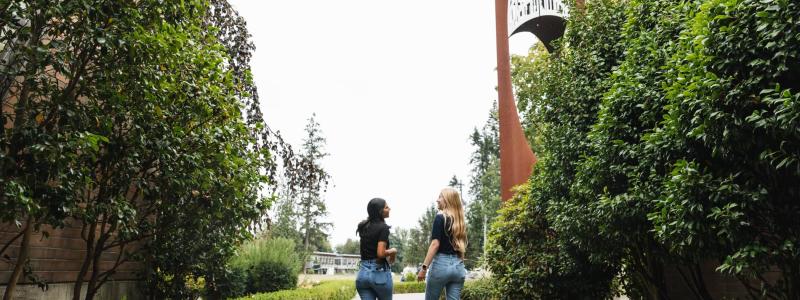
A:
(445, 272)
(374, 281)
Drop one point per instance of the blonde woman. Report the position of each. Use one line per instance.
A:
(443, 266)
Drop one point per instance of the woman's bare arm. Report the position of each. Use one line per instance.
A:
(432, 249)
(383, 252)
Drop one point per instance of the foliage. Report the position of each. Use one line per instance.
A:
(410, 276)
(233, 283)
(479, 289)
(167, 149)
(400, 239)
(530, 256)
(732, 114)
(267, 264)
(484, 187)
(302, 209)
(285, 218)
(419, 238)
(614, 226)
(279, 250)
(409, 287)
(329, 290)
(349, 247)
(666, 132)
(538, 266)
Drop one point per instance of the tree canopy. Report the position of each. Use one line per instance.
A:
(667, 138)
(139, 122)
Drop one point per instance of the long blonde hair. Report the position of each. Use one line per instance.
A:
(453, 211)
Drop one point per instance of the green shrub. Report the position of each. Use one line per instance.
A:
(409, 277)
(733, 115)
(271, 276)
(480, 289)
(234, 283)
(473, 289)
(330, 290)
(528, 261)
(264, 265)
(279, 250)
(667, 137)
(533, 251)
(409, 287)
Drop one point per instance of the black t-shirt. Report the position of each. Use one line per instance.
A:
(370, 236)
(439, 232)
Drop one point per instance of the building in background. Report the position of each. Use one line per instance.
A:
(331, 263)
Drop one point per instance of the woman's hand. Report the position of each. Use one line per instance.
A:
(421, 274)
(391, 255)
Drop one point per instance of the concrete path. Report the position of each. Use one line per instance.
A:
(419, 296)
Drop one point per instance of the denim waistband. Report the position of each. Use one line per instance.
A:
(446, 258)
(446, 254)
(374, 264)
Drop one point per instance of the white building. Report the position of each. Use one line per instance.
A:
(332, 263)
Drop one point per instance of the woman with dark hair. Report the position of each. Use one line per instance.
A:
(374, 280)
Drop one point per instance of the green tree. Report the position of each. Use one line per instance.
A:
(456, 184)
(167, 148)
(732, 117)
(349, 247)
(529, 256)
(618, 164)
(419, 238)
(299, 208)
(666, 137)
(400, 238)
(285, 219)
(311, 206)
(484, 187)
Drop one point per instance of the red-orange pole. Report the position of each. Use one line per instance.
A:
(516, 156)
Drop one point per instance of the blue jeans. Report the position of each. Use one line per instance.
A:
(445, 272)
(374, 281)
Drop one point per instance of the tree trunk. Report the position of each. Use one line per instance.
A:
(93, 286)
(792, 278)
(700, 282)
(87, 260)
(22, 259)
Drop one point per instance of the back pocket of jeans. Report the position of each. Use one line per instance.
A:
(379, 277)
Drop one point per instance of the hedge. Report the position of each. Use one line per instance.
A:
(409, 287)
(329, 290)
(481, 289)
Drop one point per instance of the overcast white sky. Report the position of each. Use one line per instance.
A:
(397, 87)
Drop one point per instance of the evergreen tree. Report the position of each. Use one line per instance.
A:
(401, 239)
(484, 187)
(420, 237)
(311, 206)
(350, 247)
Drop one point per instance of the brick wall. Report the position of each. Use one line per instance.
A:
(719, 286)
(59, 257)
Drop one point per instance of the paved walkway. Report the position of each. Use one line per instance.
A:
(408, 296)
(419, 296)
